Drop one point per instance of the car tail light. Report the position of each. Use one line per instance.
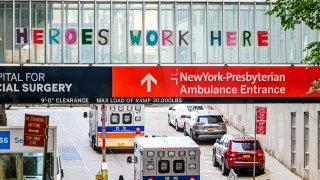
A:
(260, 156)
(150, 178)
(192, 178)
(199, 123)
(183, 116)
(231, 155)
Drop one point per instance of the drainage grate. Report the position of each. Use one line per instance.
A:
(69, 153)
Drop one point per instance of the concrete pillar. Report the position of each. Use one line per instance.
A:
(3, 117)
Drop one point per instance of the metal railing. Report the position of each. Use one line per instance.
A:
(232, 175)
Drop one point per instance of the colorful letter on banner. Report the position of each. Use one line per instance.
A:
(247, 38)
(103, 36)
(215, 38)
(184, 38)
(86, 36)
(71, 36)
(152, 38)
(54, 36)
(167, 36)
(21, 35)
(231, 38)
(135, 36)
(263, 38)
(38, 35)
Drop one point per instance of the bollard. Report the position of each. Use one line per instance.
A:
(104, 170)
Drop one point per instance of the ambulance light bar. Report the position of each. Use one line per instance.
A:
(182, 153)
(160, 153)
(192, 153)
(192, 166)
(138, 108)
(150, 167)
(121, 108)
(137, 119)
(150, 153)
(171, 153)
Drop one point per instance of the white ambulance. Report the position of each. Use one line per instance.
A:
(165, 158)
(123, 123)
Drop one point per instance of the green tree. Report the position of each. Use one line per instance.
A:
(292, 12)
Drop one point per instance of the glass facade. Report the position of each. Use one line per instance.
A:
(147, 32)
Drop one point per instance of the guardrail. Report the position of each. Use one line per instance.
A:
(232, 175)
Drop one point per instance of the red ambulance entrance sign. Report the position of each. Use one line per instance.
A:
(214, 81)
(35, 130)
(261, 120)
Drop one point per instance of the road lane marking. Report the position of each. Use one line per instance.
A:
(82, 159)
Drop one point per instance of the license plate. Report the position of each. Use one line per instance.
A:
(120, 144)
(210, 129)
(246, 156)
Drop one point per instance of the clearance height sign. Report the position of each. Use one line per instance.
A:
(168, 84)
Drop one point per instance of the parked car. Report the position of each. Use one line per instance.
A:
(236, 151)
(179, 113)
(205, 125)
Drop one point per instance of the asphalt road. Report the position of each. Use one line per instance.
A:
(81, 162)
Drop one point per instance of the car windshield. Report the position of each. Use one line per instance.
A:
(191, 108)
(244, 145)
(210, 119)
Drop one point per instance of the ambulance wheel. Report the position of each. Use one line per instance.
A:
(93, 143)
(169, 122)
(214, 160)
(224, 169)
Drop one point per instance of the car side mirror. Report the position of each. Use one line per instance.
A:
(132, 159)
(170, 108)
(129, 159)
(85, 114)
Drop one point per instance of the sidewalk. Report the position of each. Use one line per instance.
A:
(274, 169)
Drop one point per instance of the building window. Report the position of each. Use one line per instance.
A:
(183, 40)
(293, 139)
(231, 32)
(136, 33)
(103, 41)
(215, 42)
(199, 32)
(87, 35)
(262, 24)
(167, 27)
(318, 139)
(71, 33)
(54, 54)
(306, 139)
(119, 39)
(151, 53)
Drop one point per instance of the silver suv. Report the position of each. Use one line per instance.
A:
(205, 125)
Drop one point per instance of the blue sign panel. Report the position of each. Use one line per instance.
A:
(4, 139)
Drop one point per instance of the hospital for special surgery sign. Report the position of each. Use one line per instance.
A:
(35, 130)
